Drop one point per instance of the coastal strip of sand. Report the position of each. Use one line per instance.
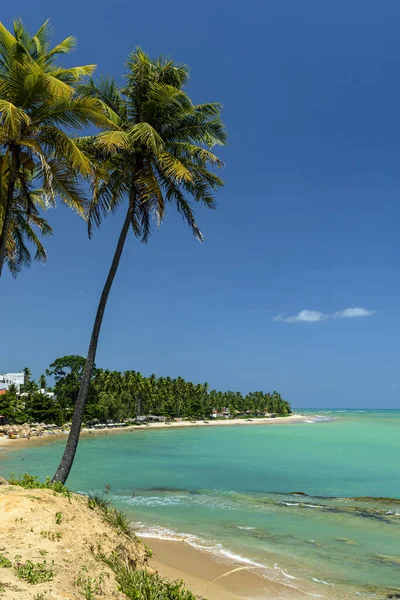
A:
(9, 443)
(214, 579)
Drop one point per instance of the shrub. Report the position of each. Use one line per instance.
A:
(33, 572)
(4, 562)
(141, 585)
(30, 482)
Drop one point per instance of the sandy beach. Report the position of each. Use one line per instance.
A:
(209, 577)
(5, 441)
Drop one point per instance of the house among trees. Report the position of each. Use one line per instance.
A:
(17, 379)
(221, 414)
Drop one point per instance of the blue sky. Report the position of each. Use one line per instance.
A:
(308, 219)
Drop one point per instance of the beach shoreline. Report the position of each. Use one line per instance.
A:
(45, 438)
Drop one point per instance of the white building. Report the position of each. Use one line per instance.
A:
(8, 379)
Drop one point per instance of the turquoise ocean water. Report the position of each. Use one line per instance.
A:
(303, 501)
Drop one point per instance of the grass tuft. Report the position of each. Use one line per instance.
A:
(98, 500)
(118, 519)
(113, 516)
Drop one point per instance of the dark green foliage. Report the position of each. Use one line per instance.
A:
(30, 482)
(42, 408)
(128, 394)
(12, 406)
(67, 372)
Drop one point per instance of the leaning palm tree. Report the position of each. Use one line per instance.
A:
(160, 154)
(38, 103)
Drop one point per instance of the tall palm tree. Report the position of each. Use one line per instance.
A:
(27, 375)
(38, 102)
(160, 154)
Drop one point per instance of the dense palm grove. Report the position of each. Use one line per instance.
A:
(118, 396)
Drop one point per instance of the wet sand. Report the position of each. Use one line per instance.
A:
(208, 576)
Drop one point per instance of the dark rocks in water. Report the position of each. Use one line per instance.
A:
(347, 541)
(298, 494)
(382, 499)
(382, 559)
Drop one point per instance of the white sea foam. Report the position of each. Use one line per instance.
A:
(284, 572)
(179, 500)
(164, 533)
(321, 581)
(244, 527)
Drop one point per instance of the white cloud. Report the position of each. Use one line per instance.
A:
(315, 316)
(356, 311)
(304, 316)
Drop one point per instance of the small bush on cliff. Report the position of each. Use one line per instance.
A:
(4, 562)
(33, 572)
(141, 585)
(30, 482)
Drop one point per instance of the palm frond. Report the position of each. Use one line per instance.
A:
(64, 47)
(143, 135)
(111, 141)
(60, 144)
(12, 119)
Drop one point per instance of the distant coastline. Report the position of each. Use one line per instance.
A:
(48, 437)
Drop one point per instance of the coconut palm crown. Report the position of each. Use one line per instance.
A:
(38, 104)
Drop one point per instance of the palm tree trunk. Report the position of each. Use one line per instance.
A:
(67, 460)
(7, 213)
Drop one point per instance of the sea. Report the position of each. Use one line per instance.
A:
(315, 505)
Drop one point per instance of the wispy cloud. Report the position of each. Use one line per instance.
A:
(315, 316)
